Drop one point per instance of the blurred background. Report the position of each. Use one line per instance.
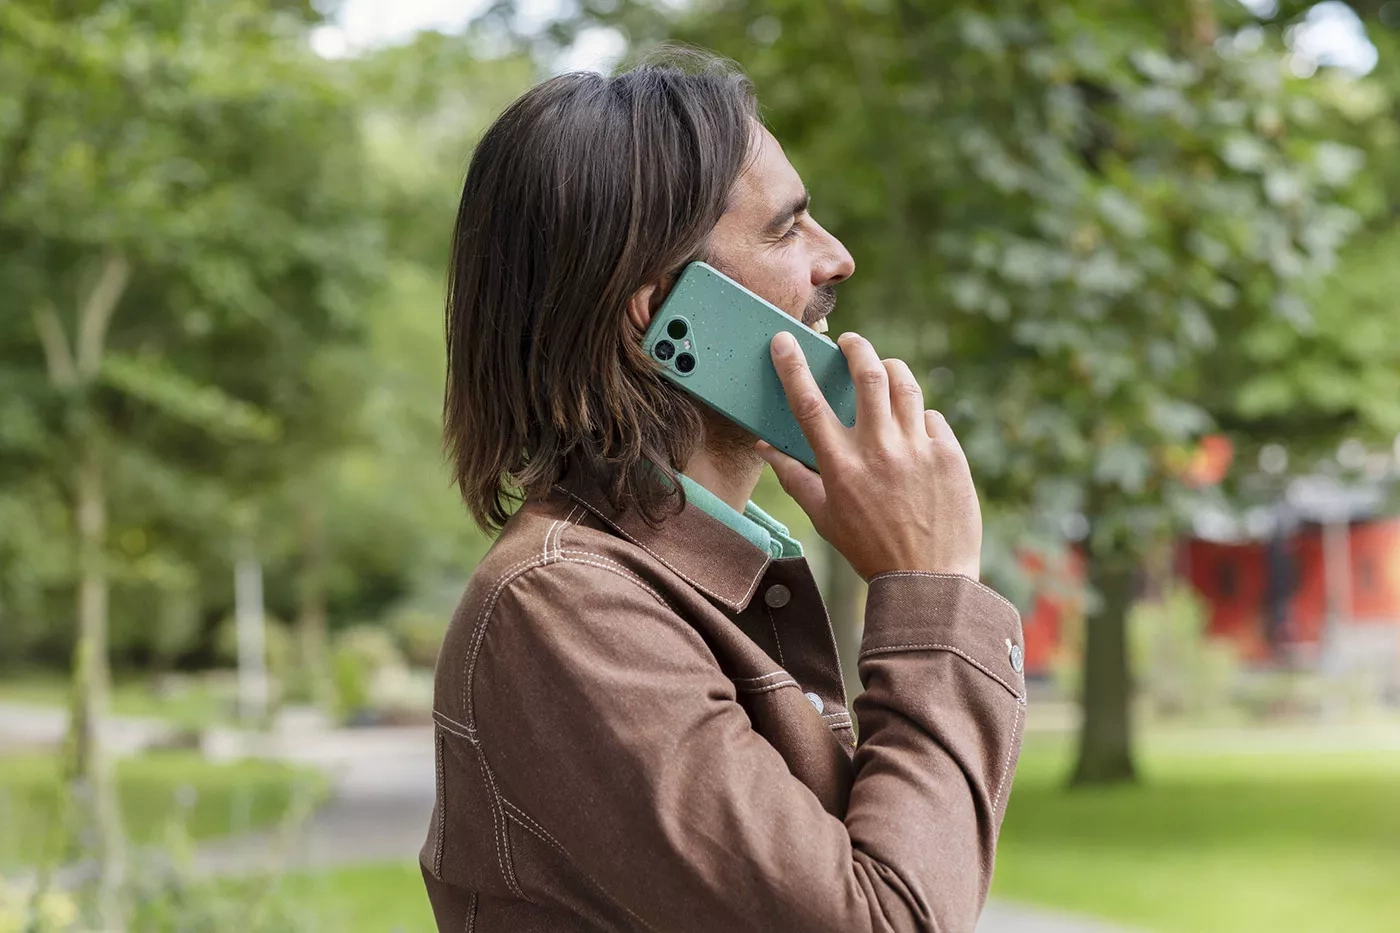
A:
(1146, 257)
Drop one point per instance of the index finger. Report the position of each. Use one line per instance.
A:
(814, 415)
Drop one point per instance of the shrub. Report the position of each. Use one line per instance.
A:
(1176, 666)
(359, 655)
(36, 912)
(419, 634)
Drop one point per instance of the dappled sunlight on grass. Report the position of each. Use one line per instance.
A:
(1211, 841)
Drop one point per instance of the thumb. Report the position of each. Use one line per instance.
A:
(804, 485)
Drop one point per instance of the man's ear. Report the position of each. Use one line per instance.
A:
(644, 303)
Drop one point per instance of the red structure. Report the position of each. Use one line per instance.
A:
(1265, 595)
(1057, 597)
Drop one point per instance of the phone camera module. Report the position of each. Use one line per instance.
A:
(664, 350)
(685, 362)
(676, 329)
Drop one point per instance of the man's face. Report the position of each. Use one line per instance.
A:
(769, 243)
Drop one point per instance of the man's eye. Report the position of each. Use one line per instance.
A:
(792, 231)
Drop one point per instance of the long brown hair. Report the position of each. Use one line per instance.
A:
(583, 191)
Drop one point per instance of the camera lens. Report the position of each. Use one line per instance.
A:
(664, 350)
(676, 329)
(685, 362)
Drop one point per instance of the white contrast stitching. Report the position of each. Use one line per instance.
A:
(886, 649)
(706, 590)
(495, 822)
(559, 535)
(620, 568)
(471, 914)
(538, 831)
(1006, 766)
(441, 804)
(767, 687)
(687, 631)
(773, 624)
(746, 680)
(449, 724)
(479, 631)
(503, 842)
(946, 576)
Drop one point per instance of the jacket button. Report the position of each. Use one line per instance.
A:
(1018, 658)
(777, 596)
(816, 702)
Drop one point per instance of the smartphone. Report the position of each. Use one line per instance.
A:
(711, 338)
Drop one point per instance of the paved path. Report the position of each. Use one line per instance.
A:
(381, 802)
(24, 725)
(1000, 917)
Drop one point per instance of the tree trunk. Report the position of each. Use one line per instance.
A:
(90, 768)
(1105, 738)
(251, 624)
(844, 605)
(311, 621)
(75, 365)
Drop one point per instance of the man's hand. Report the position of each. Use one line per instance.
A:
(895, 491)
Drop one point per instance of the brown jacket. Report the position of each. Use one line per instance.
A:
(646, 730)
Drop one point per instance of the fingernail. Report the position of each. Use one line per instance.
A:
(849, 333)
(783, 344)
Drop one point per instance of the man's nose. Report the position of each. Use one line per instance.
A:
(836, 264)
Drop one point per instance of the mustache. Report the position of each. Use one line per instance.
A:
(823, 303)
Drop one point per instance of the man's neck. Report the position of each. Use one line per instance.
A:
(733, 483)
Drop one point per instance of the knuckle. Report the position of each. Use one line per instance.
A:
(808, 406)
(873, 378)
(885, 451)
(791, 368)
(911, 390)
(949, 457)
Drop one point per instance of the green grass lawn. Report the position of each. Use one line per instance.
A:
(159, 792)
(376, 898)
(195, 704)
(1211, 842)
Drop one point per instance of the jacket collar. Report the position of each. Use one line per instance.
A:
(703, 551)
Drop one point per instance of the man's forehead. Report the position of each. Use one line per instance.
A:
(768, 181)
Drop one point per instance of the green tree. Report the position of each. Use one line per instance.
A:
(1063, 214)
(180, 227)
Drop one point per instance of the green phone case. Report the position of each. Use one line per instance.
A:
(725, 330)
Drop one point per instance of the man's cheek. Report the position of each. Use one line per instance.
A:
(796, 300)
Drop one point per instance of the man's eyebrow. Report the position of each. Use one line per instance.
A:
(797, 206)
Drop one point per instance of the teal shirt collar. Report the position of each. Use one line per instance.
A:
(756, 526)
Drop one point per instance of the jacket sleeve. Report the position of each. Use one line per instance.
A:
(613, 730)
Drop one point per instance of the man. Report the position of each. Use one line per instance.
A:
(640, 716)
